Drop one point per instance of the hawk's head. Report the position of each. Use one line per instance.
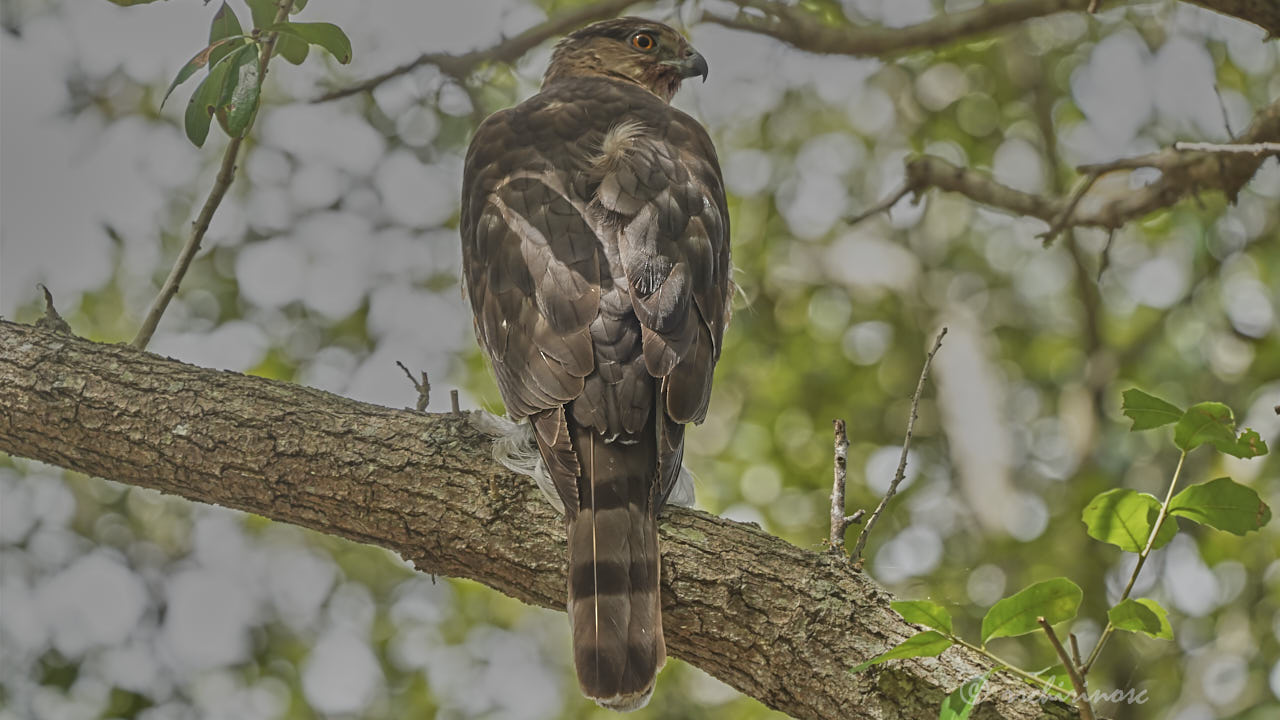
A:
(647, 53)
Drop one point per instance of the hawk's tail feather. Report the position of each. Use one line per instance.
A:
(615, 608)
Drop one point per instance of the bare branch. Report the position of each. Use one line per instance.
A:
(805, 31)
(902, 461)
(882, 206)
(1262, 148)
(1182, 173)
(1263, 13)
(779, 623)
(1077, 680)
(509, 50)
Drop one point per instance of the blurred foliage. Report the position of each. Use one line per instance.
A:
(1020, 427)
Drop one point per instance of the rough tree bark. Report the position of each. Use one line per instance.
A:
(779, 623)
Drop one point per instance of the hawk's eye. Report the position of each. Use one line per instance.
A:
(643, 41)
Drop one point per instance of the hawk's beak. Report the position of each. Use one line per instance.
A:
(692, 65)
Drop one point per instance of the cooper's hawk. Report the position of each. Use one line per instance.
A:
(595, 248)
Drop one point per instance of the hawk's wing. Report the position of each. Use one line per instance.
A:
(596, 256)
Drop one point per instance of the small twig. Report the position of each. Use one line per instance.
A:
(453, 402)
(226, 173)
(1222, 107)
(1259, 148)
(1077, 681)
(839, 523)
(1064, 217)
(1093, 6)
(508, 50)
(423, 387)
(902, 460)
(51, 320)
(1075, 649)
(882, 206)
(1104, 261)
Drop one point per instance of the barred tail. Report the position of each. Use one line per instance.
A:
(615, 609)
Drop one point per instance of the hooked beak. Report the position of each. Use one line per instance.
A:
(692, 65)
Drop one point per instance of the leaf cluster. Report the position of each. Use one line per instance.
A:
(1130, 520)
(235, 60)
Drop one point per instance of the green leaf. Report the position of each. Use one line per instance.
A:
(1124, 518)
(1145, 616)
(1055, 600)
(205, 100)
(292, 48)
(960, 703)
(326, 35)
(1211, 423)
(1148, 411)
(225, 25)
(298, 5)
(240, 95)
(202, 58)
(263, 12)
(1249, 445)
(1223, 504)
(925, 612)
(1166, 630)
(926, 644)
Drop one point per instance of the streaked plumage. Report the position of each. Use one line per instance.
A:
(595, 241)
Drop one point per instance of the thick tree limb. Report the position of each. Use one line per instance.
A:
(804, 30)
(780, 623)
(1182, 173)
(507, 51)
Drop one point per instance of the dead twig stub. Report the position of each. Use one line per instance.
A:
(839, 522)
(423, 387)
(902, 460)
(51, 320)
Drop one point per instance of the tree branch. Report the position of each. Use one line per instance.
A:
(1182, 173)
(226, 174)
(1263, 13)
(508, 51)
(901, 473)
(804, 30)
(780, 623)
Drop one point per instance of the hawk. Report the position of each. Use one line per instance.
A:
(595, 251)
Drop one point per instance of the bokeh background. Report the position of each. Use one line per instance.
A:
(336, 254)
